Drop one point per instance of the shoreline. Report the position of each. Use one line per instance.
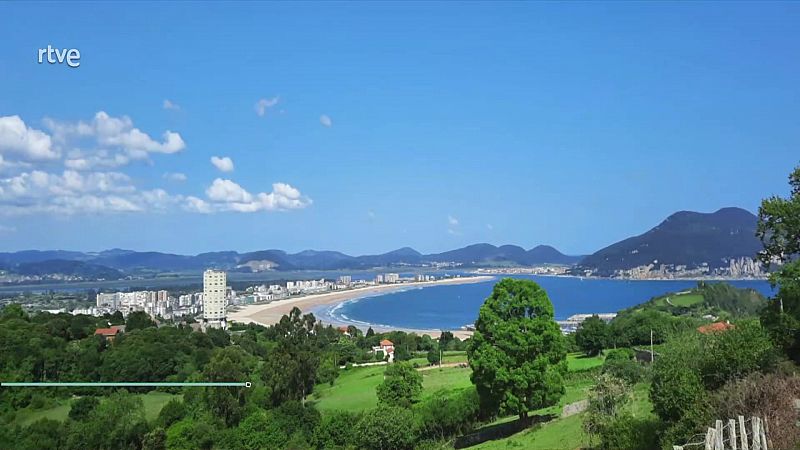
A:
(270, 313)
(595, 277)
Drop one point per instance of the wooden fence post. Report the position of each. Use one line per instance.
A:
(710, 438)
(732, 433)
(718, 442)
(763, 434)
(756, 432)
(743, 433)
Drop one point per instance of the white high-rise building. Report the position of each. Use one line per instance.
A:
(214, 282)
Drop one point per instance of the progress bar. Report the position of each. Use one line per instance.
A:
(145, 384)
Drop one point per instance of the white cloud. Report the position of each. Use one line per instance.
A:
(223, 164)
(75, 192)
(27, 143)
(264, 104)
(227, 195)
(4, 229)
(452, 225)
(175, 176)
(489, 226)
(111, 141)
(325, 120)
(170, 105)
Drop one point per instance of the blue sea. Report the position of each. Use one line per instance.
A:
(450, 307)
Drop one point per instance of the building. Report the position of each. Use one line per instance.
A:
(345, 280)
(387, 347)
(391, 278)
(214, 288)
(109, 333)
(716, 327)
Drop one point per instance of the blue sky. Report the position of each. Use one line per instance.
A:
(431, 125)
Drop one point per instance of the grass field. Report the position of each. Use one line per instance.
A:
(153, 402)
(577, 362)
(354, 389)
(680, 300)
(447, 358)
(566, 433)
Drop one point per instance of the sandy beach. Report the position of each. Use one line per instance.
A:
(270, 313)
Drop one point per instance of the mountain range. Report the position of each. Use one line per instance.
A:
(116, 263)
(684, 238)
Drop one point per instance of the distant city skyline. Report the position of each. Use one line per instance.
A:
(363, 128)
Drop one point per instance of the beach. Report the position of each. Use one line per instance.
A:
(270, 313)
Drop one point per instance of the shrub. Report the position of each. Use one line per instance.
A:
(628, 370)
(387, 427)
(83, 407)
(626, 354)
(336, 430)
(401, 385)
(446, 415)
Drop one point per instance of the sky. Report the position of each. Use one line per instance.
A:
(365, 127)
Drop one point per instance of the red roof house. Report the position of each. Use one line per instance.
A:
(716, 327)
(108, 333)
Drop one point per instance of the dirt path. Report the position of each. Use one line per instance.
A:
(574, 408)
(443, 366)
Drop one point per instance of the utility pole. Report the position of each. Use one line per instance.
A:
(652, 354)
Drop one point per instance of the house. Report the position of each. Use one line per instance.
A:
(715, 327)
(387, 347)
(110, 333)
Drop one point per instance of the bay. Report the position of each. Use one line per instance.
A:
(449, 307)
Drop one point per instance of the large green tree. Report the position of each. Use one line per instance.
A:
(517, 352)
(779, 231)
(592, 336)
(401, 385)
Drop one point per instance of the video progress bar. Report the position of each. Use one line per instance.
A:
(132, 384)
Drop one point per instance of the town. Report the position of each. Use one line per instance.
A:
(210, 305)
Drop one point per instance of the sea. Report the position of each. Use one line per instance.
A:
(450, 307)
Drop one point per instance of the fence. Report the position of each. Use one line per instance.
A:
(731, 436)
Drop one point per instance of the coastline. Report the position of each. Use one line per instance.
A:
(271, 313)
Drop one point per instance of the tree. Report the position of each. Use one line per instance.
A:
(401, 385)
(387, 427)
(336, 430)
(779, 231)
(138, 320)
(592, 336)
(226, 403)
(434, 356)
(83, 407)
(155, 440)
(517, 352)
(290, 370)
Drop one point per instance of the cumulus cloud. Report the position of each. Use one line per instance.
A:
(108, 142)
(452, 221)
(227, 195)
(170, 105)
(76, 192)
(262, 105)
(325, 120)
(24, 142)
(175, 176)
(223, 164)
